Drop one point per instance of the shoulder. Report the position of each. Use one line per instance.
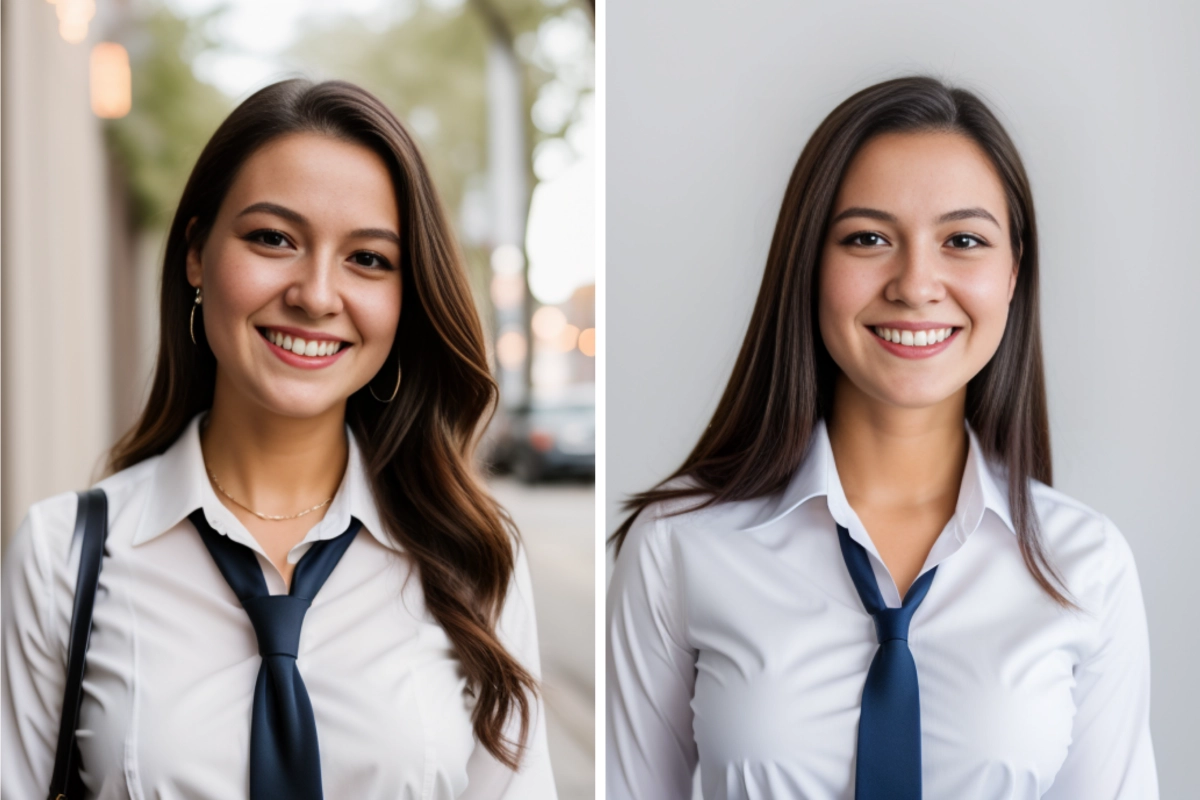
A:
(45, 534)
(657, 523)
(1070, 527)
(129, 487)
(39, 571)
(43, 538)
(695, 515)
(664, 529)
(41, 562)
(1090, 550)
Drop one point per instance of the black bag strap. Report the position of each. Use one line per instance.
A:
(91, 522)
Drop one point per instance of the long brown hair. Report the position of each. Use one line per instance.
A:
(419, 447)
(783, 380)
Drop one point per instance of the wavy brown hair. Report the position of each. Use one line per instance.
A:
(418, 448)
(783, 380)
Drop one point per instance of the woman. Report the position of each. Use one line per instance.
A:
(860, 584)
(320, 382)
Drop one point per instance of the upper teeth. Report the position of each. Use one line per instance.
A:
(913, 338)
(301, 347)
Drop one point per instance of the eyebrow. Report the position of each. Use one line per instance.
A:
(884, 216)
(299, 219)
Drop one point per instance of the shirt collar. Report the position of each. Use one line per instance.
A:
(982, 488)
(180, 484)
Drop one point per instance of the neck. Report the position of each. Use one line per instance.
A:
(897, 458)
(271, 463)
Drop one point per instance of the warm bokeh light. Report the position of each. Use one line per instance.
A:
(548, 323)
(507, 291)
(511, 348)
(73, 18)
(566, 339)
(508, 259)
(587, 342)
(110, 78)
(542, 441)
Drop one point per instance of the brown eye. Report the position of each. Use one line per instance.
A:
(966, 241)
(269, 238)
(369, 259)
(864, 239)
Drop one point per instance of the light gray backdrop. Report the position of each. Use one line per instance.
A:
(709, 104)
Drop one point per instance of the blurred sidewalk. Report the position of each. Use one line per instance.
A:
(557, 524)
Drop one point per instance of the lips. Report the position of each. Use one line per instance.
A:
(915, 344)
(922, 337)
(312, 347)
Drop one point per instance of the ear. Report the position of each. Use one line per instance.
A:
(194, 270)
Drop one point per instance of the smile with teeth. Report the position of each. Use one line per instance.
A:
(913, 338)
(299, 346)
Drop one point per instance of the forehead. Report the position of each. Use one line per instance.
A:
(329, 181)
(918, 176)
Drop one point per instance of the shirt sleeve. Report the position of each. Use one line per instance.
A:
(487, 778)
(651, 749)
(1111, 756)
(38, 588)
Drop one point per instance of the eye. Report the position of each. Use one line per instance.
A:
(366, 258)
(268, 237)
(864, 239)
(966, 241)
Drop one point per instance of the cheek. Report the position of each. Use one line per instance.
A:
(983, 294)
(377, 312)
(844, 292)
(240, 283)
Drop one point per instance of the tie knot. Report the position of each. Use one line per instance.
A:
(892, 623)
(277, 620)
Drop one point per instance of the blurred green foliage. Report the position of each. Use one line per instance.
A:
(429, 68)
(172, 117)
(429, 71)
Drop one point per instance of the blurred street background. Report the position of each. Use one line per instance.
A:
(558, 526)
(107, 104)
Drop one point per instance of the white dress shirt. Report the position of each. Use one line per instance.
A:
(736, 640)
(173, 658)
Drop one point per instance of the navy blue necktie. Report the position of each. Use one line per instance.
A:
(888, 766)
(284, 758)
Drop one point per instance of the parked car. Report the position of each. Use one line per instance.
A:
(544, 437)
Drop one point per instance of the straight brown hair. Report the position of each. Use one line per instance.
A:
(783, 380)
(418, 448)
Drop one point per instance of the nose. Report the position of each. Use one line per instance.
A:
(315, 289)
(917, 278)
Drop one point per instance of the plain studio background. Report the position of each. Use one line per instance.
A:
(709, 105)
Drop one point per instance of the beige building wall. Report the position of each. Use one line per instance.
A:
(57, 365)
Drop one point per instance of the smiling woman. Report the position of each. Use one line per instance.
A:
(305, 250)
(306, 591)
(860, 582)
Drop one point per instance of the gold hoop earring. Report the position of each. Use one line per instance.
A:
(192, 318)
(371, 389)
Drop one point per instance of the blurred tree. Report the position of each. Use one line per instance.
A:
(429, 68)
(173, 113)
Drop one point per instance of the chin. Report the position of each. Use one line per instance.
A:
(301, 405)
(914, 394)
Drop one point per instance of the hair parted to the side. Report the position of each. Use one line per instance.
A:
(419, 448)
(783, 380)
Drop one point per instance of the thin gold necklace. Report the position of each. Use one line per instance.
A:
(271, 517)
